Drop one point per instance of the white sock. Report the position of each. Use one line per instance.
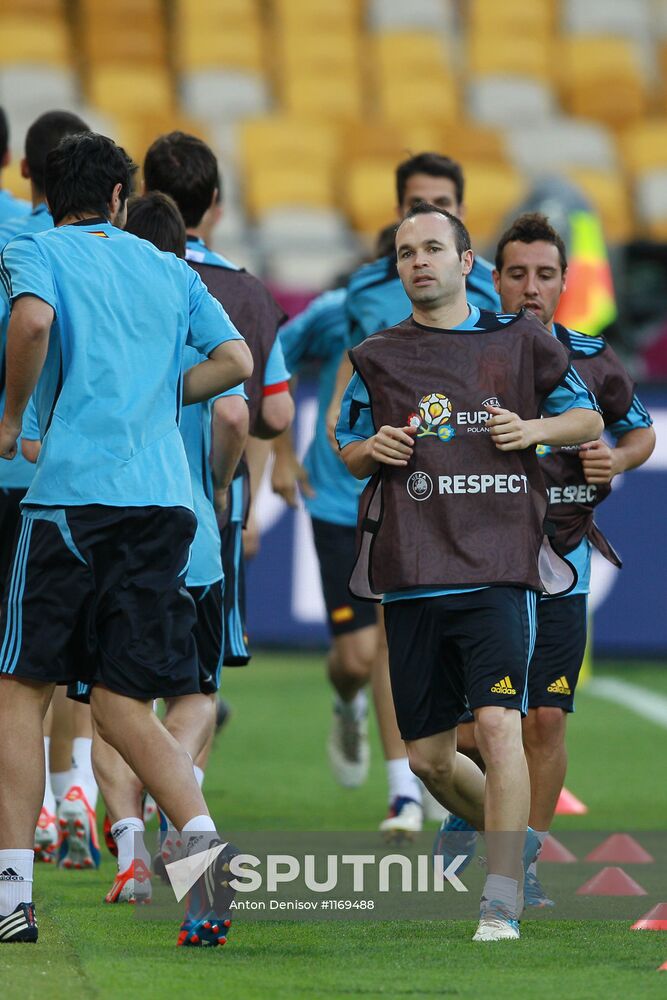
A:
(60, 784)
(541, 836)
(82, 769)
(129, 836)
(403, 783)
(49, 799)
(199, 774)
(15, 879)
(502, 889)
(356, 709)
(202, 825)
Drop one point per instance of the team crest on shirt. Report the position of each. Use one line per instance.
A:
(432, 417)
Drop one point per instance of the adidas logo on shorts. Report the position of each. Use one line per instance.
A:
(503, 687)
(9, 875)
(559, 687)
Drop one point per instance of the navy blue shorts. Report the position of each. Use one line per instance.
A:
(209, 632)
(96, 596)
(336, 552)
(456, 651)
(559, 652)
(10, 515)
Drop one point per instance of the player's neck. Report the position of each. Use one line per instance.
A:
(446, 316)
(69, 220)
(197, 234)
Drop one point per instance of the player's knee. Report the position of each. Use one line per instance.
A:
(436, 772)
(353, 663)
(497, 733)
(544, 727)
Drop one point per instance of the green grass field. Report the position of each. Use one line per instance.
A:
(269, 771)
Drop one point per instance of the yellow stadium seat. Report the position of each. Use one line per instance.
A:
(602, 78)
(141, 45)
(396, 52)
(644, 145)
(208, 14)
(335, 50)
(369, 194)
(432, 97)
(326, 94)
(536, 18)
(119, 89)
(323, 13)
(126, 13)
(282, 184)
(608, 193)
(373, 140)
(492, 51)
(279, 137)
(467, 142)
(236, 47)
(491, 192)
(13, 182)
(54, 9)
(25, 40)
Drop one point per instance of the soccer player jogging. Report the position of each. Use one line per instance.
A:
(443, 412)
(76, 786)
(376, 299)
(186, 168)
(107, 522)
(531, 273)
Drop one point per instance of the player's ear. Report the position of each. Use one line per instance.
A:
(25, 171)
(563, 284)
(496, 280)
(467, 261)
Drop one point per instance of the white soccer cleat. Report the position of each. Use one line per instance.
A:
(47, 837)
(349, 751)
(496, 923)
(404, 821)
(78, 827)
(131, 886)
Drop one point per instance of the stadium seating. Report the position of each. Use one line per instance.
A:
(602, 78)
(504, 100)
(369, 195)
(389, 15)
(530, 20)
(644, 145)
(491, 192)
(626, 18)
(651, 200)
(608, 194)
(560, 143)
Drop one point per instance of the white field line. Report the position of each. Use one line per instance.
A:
(638, 699)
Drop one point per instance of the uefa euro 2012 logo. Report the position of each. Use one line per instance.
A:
(432, 418)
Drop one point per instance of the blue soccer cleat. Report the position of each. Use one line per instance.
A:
(455, 837)
(496, 922)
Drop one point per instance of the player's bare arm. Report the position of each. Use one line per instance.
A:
(601, 463)
(510, 433)
(227, 365)
(288, 475)
(230, 433)
(390, 446)
(343, 376)
(27, 344)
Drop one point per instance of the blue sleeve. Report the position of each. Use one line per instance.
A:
(276, 369)
(24, 270)
(355, 422)
(571, 393)
(210, 326)
(30, 430)
(236, 390)
(319, 332)
(192, 357)
(636, 417)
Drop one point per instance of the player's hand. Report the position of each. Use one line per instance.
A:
(8, 438)
(508, 431)
(331, 420)
(288, 476)
(597, 460)
(220, 500)
(392, 445)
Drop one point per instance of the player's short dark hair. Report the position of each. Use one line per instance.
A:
(184, 167)
(81, 173)
(434, 165)
(461, 234)
(385, 239)
(4, 133)
(44, 135)
(155, 217)
(531, 228)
